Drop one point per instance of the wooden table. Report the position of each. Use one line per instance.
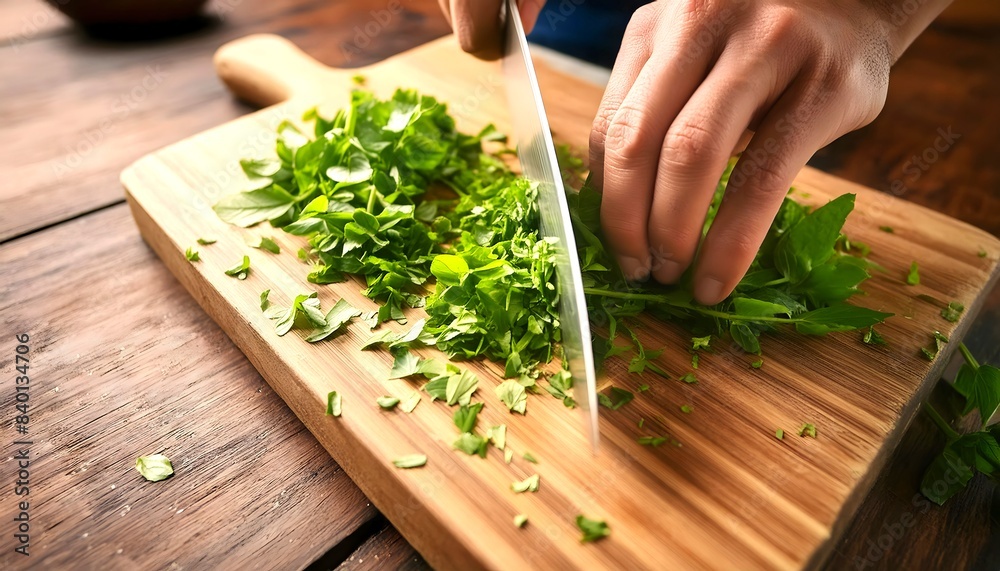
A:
(124, 362)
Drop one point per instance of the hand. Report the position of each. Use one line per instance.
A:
(691, 77)
(477, 23)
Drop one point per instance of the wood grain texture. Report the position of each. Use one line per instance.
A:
(385, 550)
(123, 364)
(732, 496)
(76, 109)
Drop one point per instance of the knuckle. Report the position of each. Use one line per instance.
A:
(624, 140)
(690, 143)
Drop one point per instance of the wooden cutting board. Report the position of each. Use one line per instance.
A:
(731, 496)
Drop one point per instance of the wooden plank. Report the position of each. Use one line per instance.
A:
(124, 363)
(385, 550)
(89, 107)
(729, 498)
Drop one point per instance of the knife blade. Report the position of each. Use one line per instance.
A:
(537, 155)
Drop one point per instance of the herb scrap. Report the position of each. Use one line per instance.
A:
(779, 434)
(387, 402)
(410, 461)
(592, 529)
(192, 255)
(808, 429)
(241, 270)
(154, 467)
(334, 401)
(953, 311)
(529, 484)
(913, 277)
(520, 520)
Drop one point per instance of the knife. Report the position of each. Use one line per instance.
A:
(537, 155)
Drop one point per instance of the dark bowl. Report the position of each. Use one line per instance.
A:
(109, 12)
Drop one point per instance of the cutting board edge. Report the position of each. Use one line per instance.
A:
(906, 417)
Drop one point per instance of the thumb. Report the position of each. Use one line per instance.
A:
(529, 13)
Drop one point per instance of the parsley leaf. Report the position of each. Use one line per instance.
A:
(953, 311)
(520, 520)
(334, 401)
(154, 467)
(808, 429)
(410, 461)
(913, 277)
(206, 241)
(268, 244)
(192, 255)
(513, 395)
(241, 270)
(387, 402)
(466, 416)
(592, 529)
(471, 444)
(617, 399)
(409, 403)
(529, 484)
(339, 315)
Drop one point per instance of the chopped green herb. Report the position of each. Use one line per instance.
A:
(872, 337)
(498, 436)
(387, 402)
(410, 402)
(359, 79)
(264, 302)
(689, 378)
(642, 421)
(304, 313)
(466, 417)
(241, 270)
(154, 467)
(513, 395)
(686, 408)
(334, 401)
(617, 399)
(694, 360)
(520, 520)
(652, 440)
(410, 461)
(592, 529)
(268, 244)
(887, 229)
(339, 315)
(939, 342)
(952, 311)
(643, 388)
(471, 444)
(982, 253)
(757, 364)
(508, 455)
(530, 484)
(207, 241)
(913, 278)
(560, 385)
(192, 255)
(700, 342)
(527, 456)
(808, 430)
(779, 434)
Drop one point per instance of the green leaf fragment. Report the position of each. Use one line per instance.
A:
(241, 270)
(154, 467)
(268, 244)
(953, 311)
(686, 408)
(513, 396)
(206, 241)
(466, 416)
(872, 337)
(471, 444)
(334, 402)
(616, 399)
(757, 364)
(339, 316)
(779, 434)
(410, 461)
(913, 277)
(653, 441)
(689, 378)
(808, 430)
(527, 456)
(886, 229)
(529, 484)
(264, 302)
(409, 403)
(498, 436)
(192, 255)
(592, 529)
(387, 402)
(508, 455)
(520, 520)
(698, 343)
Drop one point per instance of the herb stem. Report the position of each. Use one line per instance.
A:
(371, 200)
(968, 356)
(940, 422)
(667, 301)
(778, 281)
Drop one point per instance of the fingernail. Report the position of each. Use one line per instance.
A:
(668, 272)
(633, 269)
(708, 291)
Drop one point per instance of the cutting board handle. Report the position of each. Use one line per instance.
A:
(264, 69)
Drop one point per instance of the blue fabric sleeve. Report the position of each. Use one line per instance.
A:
(591, 30)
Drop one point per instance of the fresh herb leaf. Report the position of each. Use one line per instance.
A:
(617, 398)
(466, 416)
(513, 395)
(410, 461)
(887, 229)
(872, 337)
(192, 255)
(334, 402)
(339, 315)
(982, 253)
(757, 364)
(652, 440)
(527, 456)
(529, 484)
(409, 403)
(520, 520)
(264, 302)
(592, 529)
(498, 436)
(698, 343)
(154, 467)
(471, 444)
(808, 430)
(255, 206)
(387, 402)
(779, 434)
(206, 241)
(268, 244)
(939, 341)
(508, 455)
(241, 270)
(689, 378)
(953, 311)
(686, 408)
(460, 386)
(913, 277)
(404, 365)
